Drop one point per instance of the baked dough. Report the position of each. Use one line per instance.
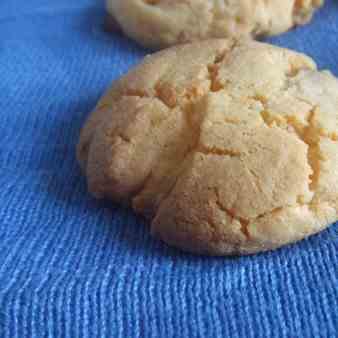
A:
(227, 147)
(162, 23)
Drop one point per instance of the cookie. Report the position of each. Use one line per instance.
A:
(227, 147)
(162, 23)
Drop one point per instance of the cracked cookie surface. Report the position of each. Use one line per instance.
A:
(226, 146)
(162, 23)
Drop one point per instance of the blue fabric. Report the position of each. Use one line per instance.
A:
(71, 266)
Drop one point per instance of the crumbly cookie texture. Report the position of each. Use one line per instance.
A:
(162, 23)
(227, 147)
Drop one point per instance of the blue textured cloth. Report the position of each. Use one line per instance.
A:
(71, 266)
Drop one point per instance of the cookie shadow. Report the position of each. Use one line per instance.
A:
(97, 26)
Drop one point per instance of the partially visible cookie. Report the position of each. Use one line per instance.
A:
(162, 23)
(227, 147)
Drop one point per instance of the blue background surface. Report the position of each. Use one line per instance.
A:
(71, 266)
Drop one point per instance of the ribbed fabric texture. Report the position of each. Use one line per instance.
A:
(71, 266)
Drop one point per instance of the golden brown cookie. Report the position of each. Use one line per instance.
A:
(162, 23)
(227, 147)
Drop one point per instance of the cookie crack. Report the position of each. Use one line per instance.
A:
(191, 123)
(217, 151)
(151, 2)
(124, 138)
(274, 211)
(256, 179)
(157, 95)
(213, 68)
(309, 134)
(245, 223)
(143, 186)
(311, 137)
(167, 194)
(232, 215)
(190, 115)
(136, 93)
